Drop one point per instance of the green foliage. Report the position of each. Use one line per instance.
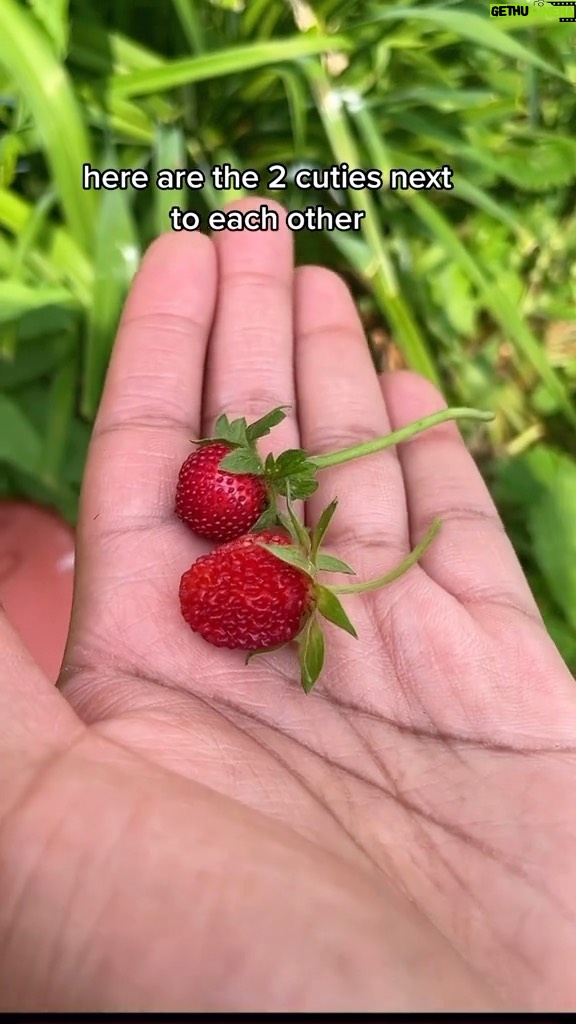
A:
(476, 285)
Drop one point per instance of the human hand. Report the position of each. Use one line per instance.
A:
(179, 831)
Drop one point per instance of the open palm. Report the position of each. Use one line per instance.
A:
(181, 831)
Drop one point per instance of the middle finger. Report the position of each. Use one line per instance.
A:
(250, 359)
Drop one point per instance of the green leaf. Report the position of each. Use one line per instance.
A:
(232, 431)
(19, 442)
(191, 22)
(242, 460)
(311, 654)
(116, 257)
(376, 264)
(28, 57)
(17, 299)
(551, 522)
(230, 61)
(292, 474)
(170, 154)
(322, 525)
(58, 423)
(479, 30)
(300, 487)
(539, 163)
(331, 608)
(291, 555)
(328, 563)
(62, 257)
(291, 461)
(10, 147)
(265, 424)
(53, 15)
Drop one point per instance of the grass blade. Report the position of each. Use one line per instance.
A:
(117, 253)
(19, 441)
(43, 82)
(479, 30)
(380, 271)
(169, 154)
(223, 62)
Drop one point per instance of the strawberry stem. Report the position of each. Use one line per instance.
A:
(380, 443)
(389, 577)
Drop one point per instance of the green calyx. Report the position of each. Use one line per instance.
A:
(306, 555)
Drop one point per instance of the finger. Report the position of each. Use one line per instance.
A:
(250, 363)
(472, 557)
(341, 405)
(150, 408)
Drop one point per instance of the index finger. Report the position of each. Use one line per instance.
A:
(150, 408)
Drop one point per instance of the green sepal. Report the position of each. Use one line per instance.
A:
(242, 460)
(322, 525)
(331, 608)
(265, 424)
(233, 431)
(291, 555)
(329, 563)
(311, 643)
(268, 518)
(263, 650)
(295, 528)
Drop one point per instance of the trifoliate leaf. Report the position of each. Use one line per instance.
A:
(234, 432)
(331, 608)
(291, 555)
(331, 564)
(291, 461)
(311, 654)
(301, 487)
(322, 525)
(242, 461)
(264, 425)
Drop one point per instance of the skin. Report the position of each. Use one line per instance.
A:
(181, 832)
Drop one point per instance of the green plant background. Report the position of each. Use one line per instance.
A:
(474, 287)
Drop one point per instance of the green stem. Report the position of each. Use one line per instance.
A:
(381, 581)
(378, 445)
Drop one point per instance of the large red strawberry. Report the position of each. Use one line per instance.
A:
(242, 596)
(261, 591)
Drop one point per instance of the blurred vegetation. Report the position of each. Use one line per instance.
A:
(474, 287)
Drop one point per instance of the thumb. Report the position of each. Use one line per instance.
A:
(36, 723)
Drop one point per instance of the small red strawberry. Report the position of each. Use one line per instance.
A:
(222, 491)
(214, 503)
(242, 596)
(261, 591)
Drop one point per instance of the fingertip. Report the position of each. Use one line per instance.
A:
(174, 245)
(176, 269)
(324, 284)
